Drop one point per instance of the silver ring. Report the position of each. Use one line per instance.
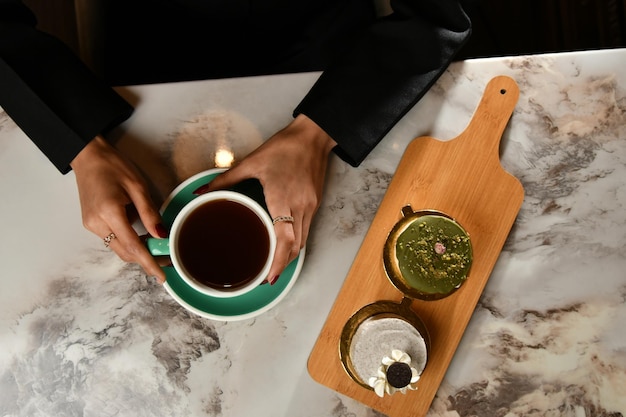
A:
(108, 239)
(287, 219)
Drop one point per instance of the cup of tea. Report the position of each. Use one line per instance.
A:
(221, 244)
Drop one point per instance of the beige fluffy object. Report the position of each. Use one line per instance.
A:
(215, 138)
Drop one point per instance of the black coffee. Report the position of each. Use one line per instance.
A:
(223, 244)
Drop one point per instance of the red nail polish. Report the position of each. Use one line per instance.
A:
(203, 189)
(161, 231)
(273, 281)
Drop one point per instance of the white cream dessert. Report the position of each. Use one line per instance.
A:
(388, 354)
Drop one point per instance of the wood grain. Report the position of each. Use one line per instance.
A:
(463, 178)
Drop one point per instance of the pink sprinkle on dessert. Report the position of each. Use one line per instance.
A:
(440, 249)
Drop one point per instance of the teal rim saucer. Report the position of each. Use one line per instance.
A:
(241, 307)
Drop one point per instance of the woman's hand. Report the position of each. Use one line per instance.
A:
(108, 185)
(291, 167)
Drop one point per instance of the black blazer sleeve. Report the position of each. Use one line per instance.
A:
(360, 97)
(48, 92)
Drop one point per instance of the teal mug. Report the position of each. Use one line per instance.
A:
(221, 243)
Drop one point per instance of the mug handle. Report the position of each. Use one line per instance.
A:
(158, 246)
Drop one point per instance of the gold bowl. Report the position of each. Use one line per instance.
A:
(427, 255)
(375, 311)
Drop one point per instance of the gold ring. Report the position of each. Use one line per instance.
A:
(287, 219)
(108, 239)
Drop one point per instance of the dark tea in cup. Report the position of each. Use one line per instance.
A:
(223, 244)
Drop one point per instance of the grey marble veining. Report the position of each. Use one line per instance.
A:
(84, 334)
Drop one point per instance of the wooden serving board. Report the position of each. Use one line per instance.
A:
(463, 178)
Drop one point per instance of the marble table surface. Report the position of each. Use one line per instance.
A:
(84, 334)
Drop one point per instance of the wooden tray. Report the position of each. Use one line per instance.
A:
(463, 178)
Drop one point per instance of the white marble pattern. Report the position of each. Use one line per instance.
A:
(83, 334)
